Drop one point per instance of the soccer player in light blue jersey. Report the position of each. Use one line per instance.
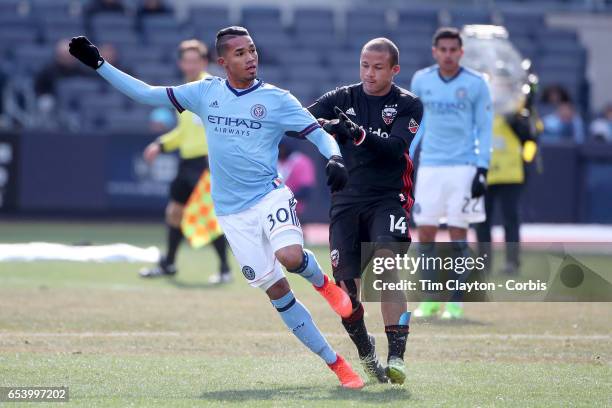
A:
(245, 120)
(455, 151)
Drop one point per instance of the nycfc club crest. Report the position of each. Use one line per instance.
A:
(248, 272)
(335, 258)
(461, 93)
(413, 126)
(258, 111)
(388, 114)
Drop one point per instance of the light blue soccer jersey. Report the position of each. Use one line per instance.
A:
(243, 129)
(458, 118)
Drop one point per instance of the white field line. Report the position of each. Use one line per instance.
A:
(480, 336)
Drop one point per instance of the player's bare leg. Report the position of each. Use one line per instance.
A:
(302, 261)
(299, 321)
(427, 238)
(166, 266)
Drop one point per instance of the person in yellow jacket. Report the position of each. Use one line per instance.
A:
(190, 139)
(513, 146)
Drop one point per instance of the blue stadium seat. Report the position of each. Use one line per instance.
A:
(112, 22)
(293, 57)
(364, 19)
(272, 74)
(168, 40)
(315, 39)
(252, 14)
(165, 23)
(345, 75)
(29, 56)
(523, 23)
(208, 20)
(344, 58)
(51, 33)
(73, 92)
(271, 49)
(556, 36)
(559, 62)
(9, 10)
(103, 103)
(465, 15)
(56, 8)
(140, 54)
(416, 44)
(303, 91)
(418, 17)
(526, 45)
(355, 40)
(416, 29)
(262, 20)
(153, 72)
(311, 21)
(117, 37)
(18, 34)
(310, 74)
(406, 74)
(129, 121)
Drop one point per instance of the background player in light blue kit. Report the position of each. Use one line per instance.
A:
(245, 120)
(455, 150)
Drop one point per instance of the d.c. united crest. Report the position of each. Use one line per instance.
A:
(388, 114)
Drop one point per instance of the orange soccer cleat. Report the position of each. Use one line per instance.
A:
(348, 378)
(336, 297)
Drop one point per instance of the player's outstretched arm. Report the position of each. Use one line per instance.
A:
(83, 50)
(393, 147)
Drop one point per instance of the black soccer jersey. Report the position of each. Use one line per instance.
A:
(380, 165)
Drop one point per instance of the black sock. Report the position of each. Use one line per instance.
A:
(220, 245)
(175, 236)
(355, 327)
(397, 335)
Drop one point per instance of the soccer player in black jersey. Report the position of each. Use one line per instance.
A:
(374, 122)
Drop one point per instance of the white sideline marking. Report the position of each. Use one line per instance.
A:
(481, 336)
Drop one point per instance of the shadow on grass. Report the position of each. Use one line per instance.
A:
(434, 321)
(368, 394)
(179, 284)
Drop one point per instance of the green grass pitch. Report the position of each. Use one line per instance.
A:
(118, 340)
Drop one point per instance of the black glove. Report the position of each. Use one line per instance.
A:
(346, 127)
(337, 175)
(333, 128)
(479, 184)
(83, 50)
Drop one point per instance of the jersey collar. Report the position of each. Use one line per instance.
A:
(447, 80)
(240, 92)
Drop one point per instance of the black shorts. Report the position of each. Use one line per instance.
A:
(186, 179)
(382, 221)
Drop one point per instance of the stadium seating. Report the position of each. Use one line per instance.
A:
(309, 50)
(462, 16)
(206, 21)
